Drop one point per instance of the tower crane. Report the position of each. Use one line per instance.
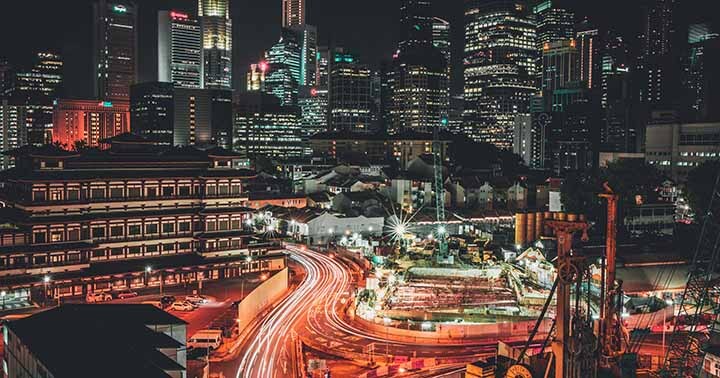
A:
(685, 352)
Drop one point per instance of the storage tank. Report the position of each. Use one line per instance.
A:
(539, 225)
(530, 235)
(520, 228)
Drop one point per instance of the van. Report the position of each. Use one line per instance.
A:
(207, 338)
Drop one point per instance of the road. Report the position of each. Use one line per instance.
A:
(313, 311)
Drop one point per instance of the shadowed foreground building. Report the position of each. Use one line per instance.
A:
(76, 223)
(113, 340)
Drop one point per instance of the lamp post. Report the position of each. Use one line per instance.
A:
(668, 302)
(46, 281)
(2, 295)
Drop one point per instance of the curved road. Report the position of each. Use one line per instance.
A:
(314, 311)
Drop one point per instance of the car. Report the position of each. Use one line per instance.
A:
(98, 297)
(196, 299)
(209, 339)
(126, 293)
(157, 304)
(167, 300)
(182, 306)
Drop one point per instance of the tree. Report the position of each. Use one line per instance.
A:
(632, 177)
(579, 192)
(80, 146)
(700, 186)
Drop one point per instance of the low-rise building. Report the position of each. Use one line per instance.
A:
(676, 148)
(316, 226)
(114, 341)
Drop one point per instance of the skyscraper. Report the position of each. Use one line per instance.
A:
(293, 13)
(115, 49)
(420, 93)
(656, 62)
(217, 42)
(702, 82)
(152, 111)
(13, 131)
(283, 76)
(441, 38)
(350, 101)
(256, 77)
(500, 68)
(180, 50)
(553, 24)
(306, 37)
(588, 43)
(262, 126)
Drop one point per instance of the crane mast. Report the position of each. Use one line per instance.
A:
(439, 188)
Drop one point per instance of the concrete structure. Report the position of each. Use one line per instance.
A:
(180, 56)
(13, 131)
(262, 126)
(114, 340)
(350, 100)
(293, 13)
(115, 49)
(676, 148)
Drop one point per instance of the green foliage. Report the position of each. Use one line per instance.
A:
(699, 187)
(627, 177)
(466, 153)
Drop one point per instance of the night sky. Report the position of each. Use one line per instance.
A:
(368, 27)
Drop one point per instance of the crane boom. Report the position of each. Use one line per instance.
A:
(685, 352)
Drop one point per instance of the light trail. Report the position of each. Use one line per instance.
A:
(315, 309)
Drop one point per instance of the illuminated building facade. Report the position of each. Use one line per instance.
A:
(588, 44)
(256, 77)
(500, 69)
(13, 130)
(283, 77)
(619, 133)
(293, 13)
(262, 126)
(95, 221)
(152, 109)
(350, 100)
(656, 62)
(420, 92)
(180, 52)
(313, 103)
(89, 121)
(33, 91)
(702, 82)
(115, 49)
(217, 42)
(561, 65)
(174, 116)
(306, 38)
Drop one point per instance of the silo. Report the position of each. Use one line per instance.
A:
(520, 228)
(539, 225)
(530, 234)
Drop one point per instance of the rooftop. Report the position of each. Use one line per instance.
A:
(102, 335)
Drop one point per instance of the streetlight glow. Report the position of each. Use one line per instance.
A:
(148, 269)
(46, 279)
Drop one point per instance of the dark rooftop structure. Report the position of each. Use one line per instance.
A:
(103, 341)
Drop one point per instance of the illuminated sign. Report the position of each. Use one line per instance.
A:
(178, 15)
(313, 92)
(106, 104)
(263, 66)
(120, 8)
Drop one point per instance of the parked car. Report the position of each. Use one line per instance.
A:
(98, 297)
(126, 293)
(196, 299)
(182, 306)
(167, 300)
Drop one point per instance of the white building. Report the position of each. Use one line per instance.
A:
(322, 227)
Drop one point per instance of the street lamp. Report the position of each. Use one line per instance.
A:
(2, 295)
(46, 281)
(668, 302)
